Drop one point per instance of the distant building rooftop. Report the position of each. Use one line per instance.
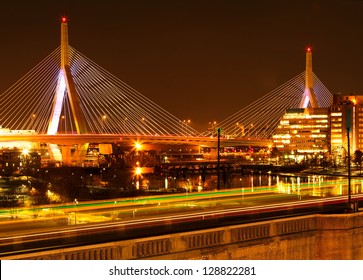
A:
(17, 132)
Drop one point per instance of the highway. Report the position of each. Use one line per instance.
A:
(74, 224)
(73, 139)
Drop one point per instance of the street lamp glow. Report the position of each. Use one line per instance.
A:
(138, 146)
(138, 170)
(25, 152)
(103, 118)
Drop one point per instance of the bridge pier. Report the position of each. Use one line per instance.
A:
(80, 153)
(66, 155)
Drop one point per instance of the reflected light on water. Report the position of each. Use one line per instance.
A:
(269, 180)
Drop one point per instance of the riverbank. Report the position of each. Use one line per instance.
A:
(340, 172)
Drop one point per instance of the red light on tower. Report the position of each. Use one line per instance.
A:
(308, 49)
(64, 19)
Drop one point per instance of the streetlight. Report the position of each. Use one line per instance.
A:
(185, 126)
(212, 124)
(143, 123)
(137, 177)
(186, 196)
(125, 120)
(236, 133)
(351, 208)
(32, 120)
(103, 123)
(63, 125)
(75, 210)
(218, 156)
(138, 146)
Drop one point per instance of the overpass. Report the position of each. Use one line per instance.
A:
(81, 224)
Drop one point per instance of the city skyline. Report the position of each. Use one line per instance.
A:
(200, 60)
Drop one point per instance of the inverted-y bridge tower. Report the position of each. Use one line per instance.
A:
(309, 94)
(66, 86)
(260, 118)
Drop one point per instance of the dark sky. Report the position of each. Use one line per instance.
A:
(200, 60)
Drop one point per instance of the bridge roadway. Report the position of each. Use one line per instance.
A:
(70, 225)
(72, 139)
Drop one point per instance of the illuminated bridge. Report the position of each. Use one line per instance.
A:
(67, 99)
(260, 118)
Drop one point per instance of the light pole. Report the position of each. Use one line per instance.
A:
(349, 175)
(213, 124)
(125, 120)
(143, 123)
(137, 176)
(75, 210)
(63, 125)
(186, 196)
(103, 123)
(185, 127)
(218, 156)
(32, 120)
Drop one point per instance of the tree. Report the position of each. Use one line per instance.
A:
(358, 158)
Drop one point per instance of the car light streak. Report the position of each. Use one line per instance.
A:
(172, 219)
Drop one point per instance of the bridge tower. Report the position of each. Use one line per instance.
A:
(66, 86)
(309, 94)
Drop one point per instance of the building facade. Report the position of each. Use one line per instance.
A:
(318, 131)
(346, 117)
(303, 132)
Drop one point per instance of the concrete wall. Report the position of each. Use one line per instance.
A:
(302, 238)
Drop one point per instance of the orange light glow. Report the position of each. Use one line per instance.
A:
(138, 171)
(138, 146)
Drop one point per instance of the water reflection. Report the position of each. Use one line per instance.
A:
(299, 184)
(132, 182)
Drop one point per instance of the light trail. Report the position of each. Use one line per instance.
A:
(78, 234)
(281, 188)
(184, 211)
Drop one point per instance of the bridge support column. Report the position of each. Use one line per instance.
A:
(80, 154)
(66, 155)
(54, 153)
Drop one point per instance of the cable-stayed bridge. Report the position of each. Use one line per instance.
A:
(259, 119)
(68, 99)
(109, 106)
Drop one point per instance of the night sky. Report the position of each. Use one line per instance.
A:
(200, 60)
